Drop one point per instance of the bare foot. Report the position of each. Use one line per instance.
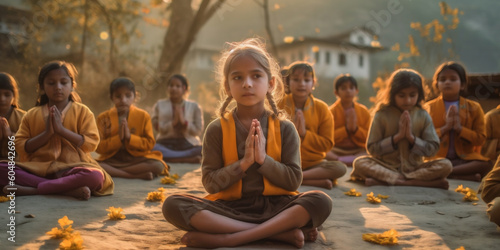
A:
(205, 240)
(439, 183)
(472, 177)
(374, 182)
(310, 234)
(20, 190)
(323, 183)
(81, 193)
(146, 176)
(478, 177)
(444, 184)
(294, 237)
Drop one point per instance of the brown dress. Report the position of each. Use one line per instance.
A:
(253, 207)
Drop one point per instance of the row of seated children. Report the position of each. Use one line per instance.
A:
(401, 137)
(458, 123)
(122, 154)
(62, 146)
(54, 155)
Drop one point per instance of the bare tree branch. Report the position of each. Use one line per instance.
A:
(111, 35)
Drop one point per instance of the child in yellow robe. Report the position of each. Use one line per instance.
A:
(459, 123)
(490, 192)
(55, 139)
(352, 121)
(491, 147)
(127, 137)
(314, 122)
(400, 136)
(10, 113)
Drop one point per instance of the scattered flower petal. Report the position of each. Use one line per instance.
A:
(64, 231)
(115, 213)
(168, 180)
(470, 196)
(156, 195)
(175, 176)
(4, 198)
(389, 237)
(372, 199)
(353, 192)
(380, 196)
(73, 242)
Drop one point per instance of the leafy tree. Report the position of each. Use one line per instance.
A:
(432, 45)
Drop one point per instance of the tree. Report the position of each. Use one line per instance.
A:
(96, 21)
(185, 23)
(265, 7)
(436, 45)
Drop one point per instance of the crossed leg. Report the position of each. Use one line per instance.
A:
(215, 230)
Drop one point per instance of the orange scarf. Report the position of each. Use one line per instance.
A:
(230, 155)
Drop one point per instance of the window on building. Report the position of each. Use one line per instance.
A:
(327, 57)
(361, 61)
(342, 59)
(361, 40)
(316, 56)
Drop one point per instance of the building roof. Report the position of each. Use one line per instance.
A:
(340, 39)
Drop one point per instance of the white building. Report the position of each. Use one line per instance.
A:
(348, 52)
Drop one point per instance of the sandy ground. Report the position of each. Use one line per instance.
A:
(425, 218)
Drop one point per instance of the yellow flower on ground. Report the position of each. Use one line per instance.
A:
(460, 248)
(353, 192)
(389, 237)
(156, 195)
(175, 176)
(461, 189)
(372, 199)
(73, 242)
(380, 196)
(168, 180)
(115, 213)
(64, 221)
(4, 198)
(64, 231)
(470, 196)
(56, 233)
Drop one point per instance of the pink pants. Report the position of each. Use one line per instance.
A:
(70, 179)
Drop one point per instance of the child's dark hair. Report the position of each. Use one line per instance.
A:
(462, 74)
(343, 78)
(69, 68)
(284, 73)
(299, 65)
(183, 80)
(254, 48)
(121, 82)
(8, 82)
(399, 80)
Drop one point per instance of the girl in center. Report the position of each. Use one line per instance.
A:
(127, 136)
(314, 123)
(252, 177)
(400, 136)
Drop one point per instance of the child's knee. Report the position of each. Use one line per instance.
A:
(493, 211)
(94, 179)
(362, 163)
(157, 167)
